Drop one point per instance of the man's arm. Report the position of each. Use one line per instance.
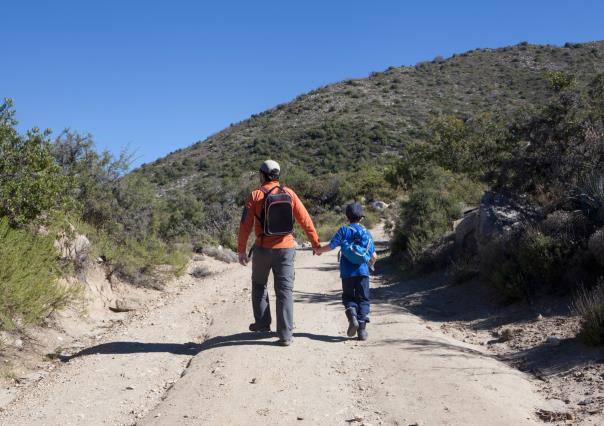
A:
(245, 227)
(303, 218)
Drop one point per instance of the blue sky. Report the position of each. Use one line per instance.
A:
(155, 76)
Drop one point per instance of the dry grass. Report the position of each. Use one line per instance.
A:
(589, 304)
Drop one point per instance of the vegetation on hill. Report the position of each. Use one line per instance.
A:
(338, 142)
(548, 162)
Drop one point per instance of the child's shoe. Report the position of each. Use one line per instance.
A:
(353, 323)
(362, 333)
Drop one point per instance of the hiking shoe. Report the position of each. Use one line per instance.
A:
(353, 323)
(259, 328)
(362, 333)
(285, 342)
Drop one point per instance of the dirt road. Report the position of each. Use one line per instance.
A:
(189, 360)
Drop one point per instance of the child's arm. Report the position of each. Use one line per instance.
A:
(335, 242)
(323, 249)
(373, 259)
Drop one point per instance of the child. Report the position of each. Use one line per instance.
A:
(355, 276)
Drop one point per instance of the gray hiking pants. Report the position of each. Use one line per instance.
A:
(281, 261)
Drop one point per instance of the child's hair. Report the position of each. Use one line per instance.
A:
(354, 212)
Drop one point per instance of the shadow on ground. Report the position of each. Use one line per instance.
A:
(331, 298)
(192, 349)
(473, 305)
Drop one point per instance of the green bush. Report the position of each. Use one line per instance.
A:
(148, 262)
(590, 306)
(433, 204)
(28, 278)
(31, 183)
(526, 265)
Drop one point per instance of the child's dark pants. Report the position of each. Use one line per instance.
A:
(355, 294)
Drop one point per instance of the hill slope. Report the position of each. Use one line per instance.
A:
(369, 118)
(363, 123)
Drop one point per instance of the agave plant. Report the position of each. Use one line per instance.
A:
(590, 196)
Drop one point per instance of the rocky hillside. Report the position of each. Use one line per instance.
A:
(338, 127)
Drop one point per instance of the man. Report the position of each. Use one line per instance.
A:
(270, 210)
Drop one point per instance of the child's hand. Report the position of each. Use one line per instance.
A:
(372, 260)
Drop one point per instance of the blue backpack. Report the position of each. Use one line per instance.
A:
(357, 248)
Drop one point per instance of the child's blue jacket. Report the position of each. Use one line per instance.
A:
(347, 268)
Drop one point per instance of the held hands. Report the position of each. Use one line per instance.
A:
(318, 251)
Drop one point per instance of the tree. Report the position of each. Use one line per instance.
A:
(31, 183)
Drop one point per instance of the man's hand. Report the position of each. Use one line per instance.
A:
(243, 259)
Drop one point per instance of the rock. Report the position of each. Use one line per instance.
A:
(553, 341)
(18, 343)
(299, 418)
(495, 216)
(586, 401)
(539, 317)
(222, 254)
(125, 305)
(379, 205)
(306, 245)
(465, 230)
(507, 334)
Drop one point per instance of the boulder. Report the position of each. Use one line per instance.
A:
(495, 216)
(379, 205)
(220, 253)
(465, 230)
(125, 305)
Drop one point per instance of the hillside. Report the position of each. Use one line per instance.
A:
(337, 127)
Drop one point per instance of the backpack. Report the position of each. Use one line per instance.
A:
(277, 216)
(357, 248)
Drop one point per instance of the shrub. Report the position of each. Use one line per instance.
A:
(201, 272)
(433, 204)
(147, 262)
(28, 278)
(31, 182)
(596, 246)
(590, 306)
(524, 265)
(569, 226)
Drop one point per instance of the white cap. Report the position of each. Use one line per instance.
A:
(270, 168)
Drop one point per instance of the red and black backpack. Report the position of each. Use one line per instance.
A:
(277, 214)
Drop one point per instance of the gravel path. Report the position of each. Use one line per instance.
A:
(189, 360)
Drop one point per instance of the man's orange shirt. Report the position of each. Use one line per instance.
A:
(253, 209)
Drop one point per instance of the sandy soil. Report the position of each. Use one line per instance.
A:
(539, 339)
(187, 359)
